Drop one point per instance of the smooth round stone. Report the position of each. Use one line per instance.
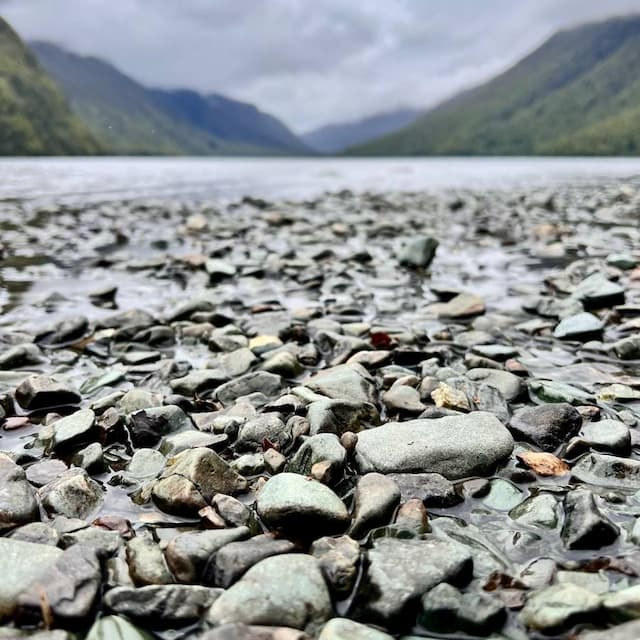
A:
(345, 629)
(454, 446)
(607, 435)
(283, 590)
(301, 506)
(581, 325)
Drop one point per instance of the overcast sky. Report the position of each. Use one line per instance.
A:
(308, 61)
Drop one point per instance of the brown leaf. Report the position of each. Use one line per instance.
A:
(544, 464)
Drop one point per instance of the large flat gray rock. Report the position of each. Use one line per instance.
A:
(454, 446)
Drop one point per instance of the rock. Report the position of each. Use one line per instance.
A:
(233, 560)
(176, 443)
(582, 326)
(192, 478)
(199, 381)
(597, 291)
(138, 400)
(115, 628)
(585, 527)
(21, 564)
(448, 397)
(509, 385)
(627, 348)
(323, 447)
(608, 471)
(537, 511)
(45, 471)
(447, 610)
(283, 363)
(432, 489)
(145, 464)
(301, 506)
(349, 382)
(403, 399)
(73, 494)
(18, 504)
(36, 532)
(74, 431)
(257, 381)
(269, 427)
(70, 588)
(147, 565)
(502, 495)
(624, 604)
(90, 458)
(400, 571)
(455, 447)
(345, 629)
(165, 606)
(239, 631)
(188, 554)
(418, 252)
(375, 500)
(20, 355)
(298, 599)
(340, 416)
(464, 305)
(338, 559)
(547, 426)
(558, 392)
(607, 435)
(42, 392)
(626, 631)
(559, 607)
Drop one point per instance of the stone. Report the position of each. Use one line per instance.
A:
(70, 588)
(301, 506)
(349, 382)
(627, 631)
(433, 489)
(624, 604)
(547, 425)
(345, 629)
(115, 628)
(233, 560)
(403, 399)
(176, 443)
(256, 430)
(597, 291)
(509, 385)
(162, 606)
(340, 416)
(400, 571)
(239, 631)
(608, 471)
(146, 562)
(21, 564)
(191, 479)
(448, 397)
(145, 464)
(464, 305)
(257, 381)
(537, 511)
(18, 504)
(74, 431)
(559, 607)
(375, 500)
(73, 494)
(502, 495)
(339, 559)
(323, 447)
(199, 381)
(627, 348)
(42, 392)
(20, 355)
(298, 598)
(585, 527)
(607, 435)
(454, 446)
(90, 458)
(446, 610)
(418, 252)
(188, 554)
(283, 363)
(582, 327)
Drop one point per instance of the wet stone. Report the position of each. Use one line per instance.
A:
(42, 392)
(18, 504)
(547, 426)
(376, 498)
(72, 494)
(585, 527)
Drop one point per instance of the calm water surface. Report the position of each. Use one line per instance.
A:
(100, 179)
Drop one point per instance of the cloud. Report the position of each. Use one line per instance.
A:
(308, 62)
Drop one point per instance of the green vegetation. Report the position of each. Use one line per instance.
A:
(34, 117)
(578, 94)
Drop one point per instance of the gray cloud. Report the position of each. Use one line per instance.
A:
(308, 62)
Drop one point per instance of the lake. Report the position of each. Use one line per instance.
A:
(101, 179)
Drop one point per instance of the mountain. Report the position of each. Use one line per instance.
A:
(34, 117)
(333, 138)
(129, 118)
(578, 94)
